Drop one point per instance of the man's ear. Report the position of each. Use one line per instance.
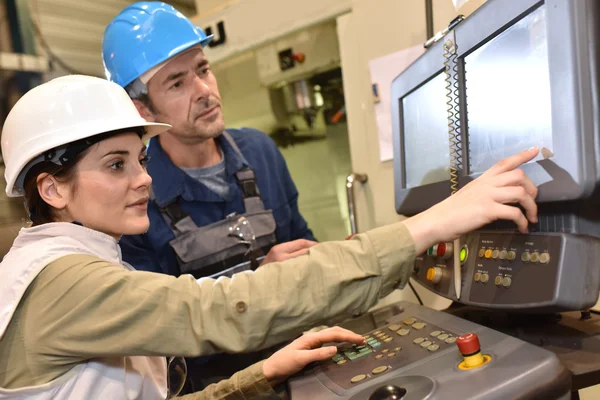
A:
(144, 111)
(52, 191)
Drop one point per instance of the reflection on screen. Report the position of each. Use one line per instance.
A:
(508, 93)
(426, 144)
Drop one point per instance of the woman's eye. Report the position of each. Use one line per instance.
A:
(144, 161)
(118, 165)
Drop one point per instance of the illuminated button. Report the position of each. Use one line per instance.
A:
(418, 340)
(450, 340)
(535, 257)
(506, 282)
(525, 257)
(495, 254)
(342, 362)
(358, 378)
(426, 343)
(409, 321)
(434, 275)
(477, 276)
(403, 332)
(463, 254)
(379, 370)
(498, 280)
(398, 349)
(392, 354)
(394, 327)
(379, 356)
(481, 253)
(485, 278)
(436, 333)
(385, 350)
(433, 347)
(419, 325)
(388, 340)
(511, 255)
(503, 254)
(488, 253)
(443, 336)
(544, 258)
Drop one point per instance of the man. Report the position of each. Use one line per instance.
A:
(204, 179)
(220, 199)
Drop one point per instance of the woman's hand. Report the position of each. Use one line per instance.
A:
(304, 350)
(482, 201)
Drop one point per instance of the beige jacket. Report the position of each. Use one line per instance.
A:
(81, 307)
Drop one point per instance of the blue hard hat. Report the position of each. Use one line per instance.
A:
(144, 35)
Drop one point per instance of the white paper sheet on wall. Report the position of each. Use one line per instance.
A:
(383, 71)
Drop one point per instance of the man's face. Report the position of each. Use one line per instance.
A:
(184, 94)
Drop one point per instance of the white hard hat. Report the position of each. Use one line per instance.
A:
(62, 111)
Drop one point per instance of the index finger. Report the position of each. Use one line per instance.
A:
(298, 244)
(336, 334)
(512, 162)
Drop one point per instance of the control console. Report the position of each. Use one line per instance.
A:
(426, 354)
(500, 270)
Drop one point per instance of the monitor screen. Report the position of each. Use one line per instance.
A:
(426, 143)
(508, 93)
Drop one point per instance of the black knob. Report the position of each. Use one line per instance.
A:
(388, 392)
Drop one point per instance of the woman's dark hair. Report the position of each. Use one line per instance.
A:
(39, 211)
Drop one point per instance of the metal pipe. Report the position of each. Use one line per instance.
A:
(350, 179)
(429, 18)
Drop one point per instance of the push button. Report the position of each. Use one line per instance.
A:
(525, 257)
(358, 378)
(477, 276)
(511, 255)
(379, 370)
(503, 254)
(488, 253)
(481, 253)
(435, 333)
(418, 340)
(495, 254)
(394, 327)
(433, 347)
(506, 282)
(419, 325)
(434, 275)
(535, 257)
(485, 278)
(544, 258)
(403, 332)
(498, 280)
(443, 336)
(426, 343)
(409, 321)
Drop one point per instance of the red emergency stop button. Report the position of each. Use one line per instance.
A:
(468, 344)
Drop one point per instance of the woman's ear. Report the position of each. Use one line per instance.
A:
(52, 191)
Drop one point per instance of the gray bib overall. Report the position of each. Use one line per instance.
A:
(225, 247)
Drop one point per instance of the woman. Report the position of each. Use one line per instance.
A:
(76, 322)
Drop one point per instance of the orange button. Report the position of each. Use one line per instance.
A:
(488, 253)
(430, 274)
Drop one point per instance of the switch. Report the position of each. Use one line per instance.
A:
(470, 349)
(434, 275)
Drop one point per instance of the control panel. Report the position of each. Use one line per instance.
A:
(499, 270)
(423, 353)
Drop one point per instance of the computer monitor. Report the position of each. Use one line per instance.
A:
(514, 74)
(526, 76)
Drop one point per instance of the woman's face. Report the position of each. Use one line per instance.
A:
(111, 187)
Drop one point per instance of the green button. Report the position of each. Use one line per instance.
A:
(356, 356)
(430, 251)
(375, 344)
(463, 254)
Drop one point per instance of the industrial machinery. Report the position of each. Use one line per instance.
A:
(515, 74)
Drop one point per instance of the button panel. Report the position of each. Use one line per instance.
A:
(391, 347)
